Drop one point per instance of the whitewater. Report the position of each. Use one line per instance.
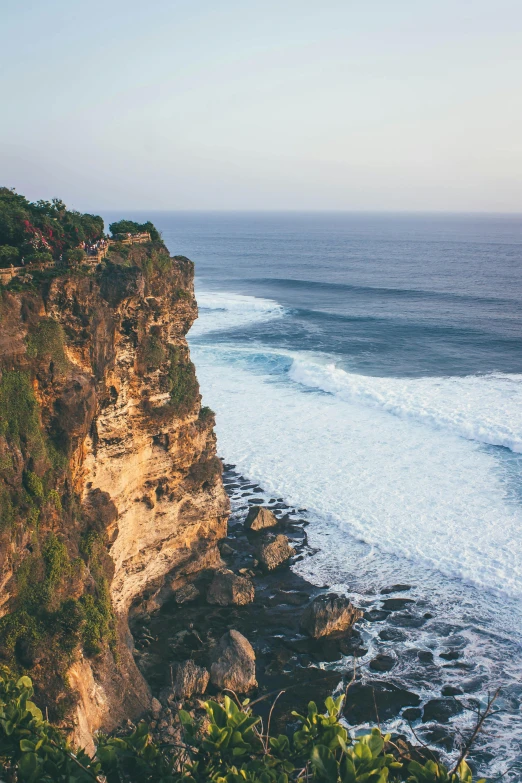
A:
(406, 465)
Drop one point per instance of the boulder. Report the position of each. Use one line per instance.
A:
(234, 663)
(155, 708)
(260, 518)
(228, 588)
(188, 592)
(190, 679)
(328, 614)
(274, 552)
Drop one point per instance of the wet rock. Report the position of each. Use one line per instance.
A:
(186, 593)
(393, 604)
(228, 588)
(234, 663)
(441, 710)
(190, 679)
(451, 690)
(382, 663)
(376, 615)
(260, 518)
(377, 701)
(328, 614)
(411, 714)
(449, 655)
(392, 635)
(274, 552)
(425, 656)
(395, 589)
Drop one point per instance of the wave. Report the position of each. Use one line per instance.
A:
(483, 408)
(220, 311)
(406, 293)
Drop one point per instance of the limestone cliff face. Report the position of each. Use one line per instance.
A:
(119, 469)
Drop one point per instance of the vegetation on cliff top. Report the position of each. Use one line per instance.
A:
(41, 230)
(229, 745)
(123, 227)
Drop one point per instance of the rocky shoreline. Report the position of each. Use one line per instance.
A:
(177, 644)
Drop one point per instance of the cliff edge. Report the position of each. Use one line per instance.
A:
(110, 489)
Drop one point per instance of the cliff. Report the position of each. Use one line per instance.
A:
(110, 488)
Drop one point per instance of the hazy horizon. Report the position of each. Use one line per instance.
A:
(171, 106)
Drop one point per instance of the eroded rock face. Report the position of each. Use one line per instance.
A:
(142, 470)
(234, 665)
(227, 588)
(328, 614)
(260, 518)
(273, 552)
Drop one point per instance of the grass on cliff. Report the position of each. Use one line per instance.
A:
(46, 342)
(228, 745)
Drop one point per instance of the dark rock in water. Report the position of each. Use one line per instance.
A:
(234, 663)
(395, 589)
(186, 593)
(190, 679)
(274, 552)
(451, 690)
(228, 588)
(449, 655)
(393, 604)
(328, 614)
(375, 615)
(382, 663)
(441, 736)
(411, 714)
(407, 620)
(441, 710)
(425, 656)
(383, 698)
(260, 518)
(392, 635)
(256, 501)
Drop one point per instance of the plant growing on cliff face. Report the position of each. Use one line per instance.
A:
(46, 342)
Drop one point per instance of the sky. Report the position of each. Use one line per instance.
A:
(245, 105)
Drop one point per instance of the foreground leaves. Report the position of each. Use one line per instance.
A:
(228, 747)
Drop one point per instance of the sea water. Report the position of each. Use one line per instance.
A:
(369, 368)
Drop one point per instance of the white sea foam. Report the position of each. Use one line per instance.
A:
(486, 408)
(383, 458)
(220, 311)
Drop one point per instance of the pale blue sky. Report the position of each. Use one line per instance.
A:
(177, 104)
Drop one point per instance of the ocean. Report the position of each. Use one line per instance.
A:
(369, 368)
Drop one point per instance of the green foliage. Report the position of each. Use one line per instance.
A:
(123, 227)
(74, 256)
(42, 230)
(9, 255)
(19, 419)
(152, 352)
(46, 341)
(34, 485)
(182, 382)
(99, 628)
(229, 747)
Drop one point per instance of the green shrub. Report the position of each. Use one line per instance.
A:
(182, 382)
(230, 746)
(19, 419)
(74, 256)
(152, 352)
(34, 485)
(9, 255)
(47, 342)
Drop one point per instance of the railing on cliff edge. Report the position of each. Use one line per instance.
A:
(91, 259)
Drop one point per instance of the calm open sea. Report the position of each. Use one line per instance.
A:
(369, 368)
